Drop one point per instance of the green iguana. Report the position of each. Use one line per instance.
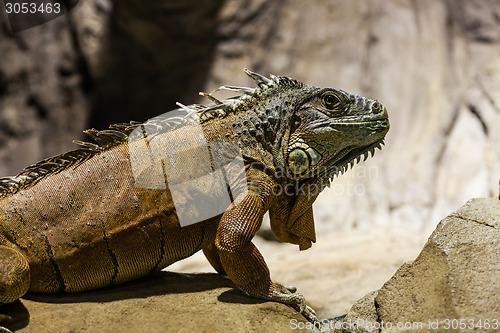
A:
(88, 219)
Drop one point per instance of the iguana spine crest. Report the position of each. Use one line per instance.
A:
(119, 133)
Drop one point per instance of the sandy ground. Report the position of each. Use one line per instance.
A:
(338, 270)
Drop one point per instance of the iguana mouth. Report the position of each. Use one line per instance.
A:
(351, 155)
(374, 129)
(346, 159)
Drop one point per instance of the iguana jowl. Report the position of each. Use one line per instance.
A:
(79, 221)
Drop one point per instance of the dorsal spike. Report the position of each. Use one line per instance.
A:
(210, 97)
(47, 164)
(126, 128)
(92, 132)
(107, 137)
(241, 90)
(212, 108)
(184, 107)
(260, 80)
(87, 144)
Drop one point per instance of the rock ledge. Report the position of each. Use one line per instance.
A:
(452, 286)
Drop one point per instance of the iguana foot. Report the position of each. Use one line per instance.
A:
(290, 296)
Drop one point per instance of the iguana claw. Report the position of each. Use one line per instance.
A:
(289, 295)
(310, 315)
(302, 307)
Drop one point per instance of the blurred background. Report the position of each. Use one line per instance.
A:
(434, 64)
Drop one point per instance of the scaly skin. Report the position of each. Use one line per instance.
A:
(80, 221)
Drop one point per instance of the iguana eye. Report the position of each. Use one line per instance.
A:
(330, 101)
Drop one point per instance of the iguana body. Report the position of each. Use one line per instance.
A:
(80, 221)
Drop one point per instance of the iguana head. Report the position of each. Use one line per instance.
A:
(317, 132)
(330, 131)
(320, 132)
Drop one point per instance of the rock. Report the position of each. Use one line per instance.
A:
(362, 317)
(166, 48)
(164, 302)
(43, 105)
(454, 282)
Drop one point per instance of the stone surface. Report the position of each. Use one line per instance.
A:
(362, 317)
(157, 53)
(332, 275)
(165, 302)
(454, 280)
(454, 277)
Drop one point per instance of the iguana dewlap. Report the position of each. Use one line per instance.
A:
(85, 220)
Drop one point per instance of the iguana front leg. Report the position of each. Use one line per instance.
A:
(244, 264)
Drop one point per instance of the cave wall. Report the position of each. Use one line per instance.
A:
(43, 92)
